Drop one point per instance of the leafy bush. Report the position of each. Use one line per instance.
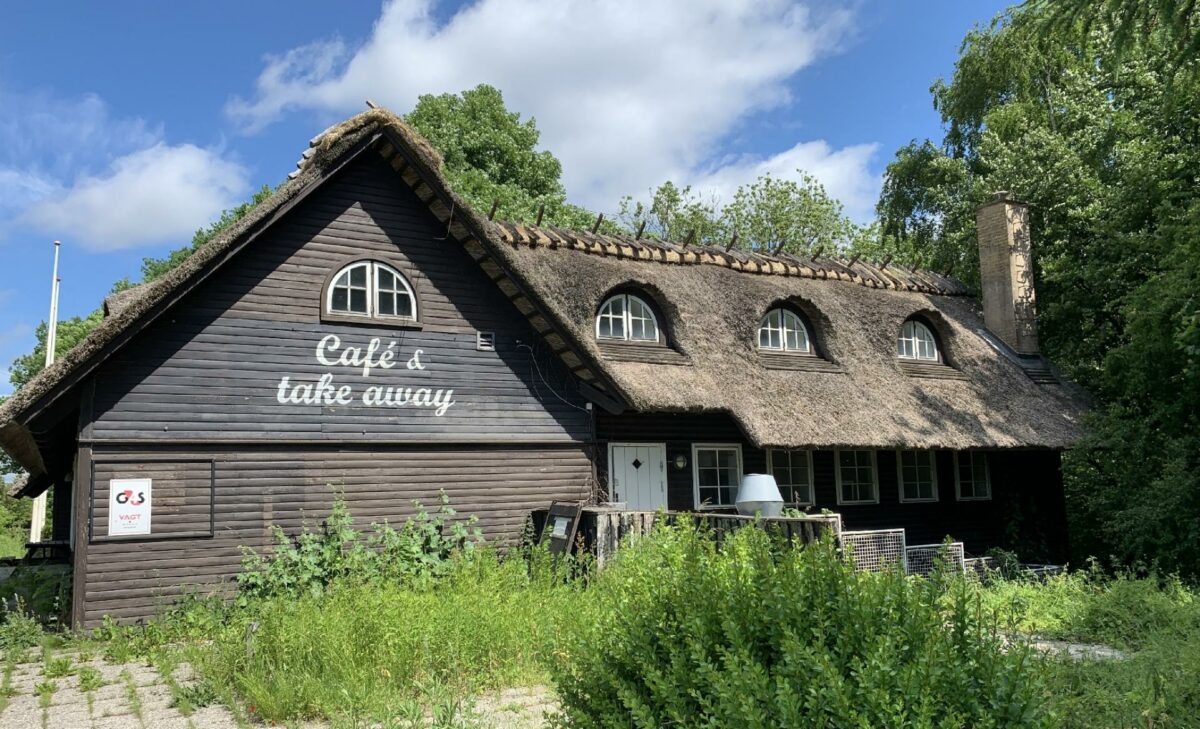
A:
(419, 550)
(18, 629)
(679, 633)
(42, 590)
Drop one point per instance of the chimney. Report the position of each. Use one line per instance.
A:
(1006, 272)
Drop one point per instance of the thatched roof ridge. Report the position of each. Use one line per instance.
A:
(785, 264)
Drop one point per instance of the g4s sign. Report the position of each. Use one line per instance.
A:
(129, 506)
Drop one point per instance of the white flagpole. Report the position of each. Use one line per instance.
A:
(38, 523)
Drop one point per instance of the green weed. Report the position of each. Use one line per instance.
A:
(57, 667)
(90, 679)
(45, 691)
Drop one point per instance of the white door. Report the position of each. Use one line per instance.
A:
(637, 475)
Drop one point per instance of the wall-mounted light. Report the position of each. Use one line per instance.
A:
(681, 462)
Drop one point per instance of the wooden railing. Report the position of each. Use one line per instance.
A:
(604, 529)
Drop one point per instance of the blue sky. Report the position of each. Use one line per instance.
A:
(126, 125)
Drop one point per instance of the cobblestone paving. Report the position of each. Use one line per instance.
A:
(90, 693)
(129, 696)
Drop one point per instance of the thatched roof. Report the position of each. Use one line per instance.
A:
(712, 313)
(714, 299)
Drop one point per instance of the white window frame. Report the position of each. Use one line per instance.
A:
(812, 499)
(786, 316)
(911, 331)
(373, 268)
(987, 476)
(837, 467)
(627, 319)
(696, 448)
(932, 470)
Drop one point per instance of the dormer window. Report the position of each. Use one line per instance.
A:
(917, 342)
(628, 318)
(371, 289)
(782, 330)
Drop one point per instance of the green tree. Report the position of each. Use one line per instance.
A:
(769, 215)
(673, 214)
(775, 215)
(491, 155)
(1101, 139)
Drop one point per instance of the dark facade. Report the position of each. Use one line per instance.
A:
(1024, 512)
(193, 403)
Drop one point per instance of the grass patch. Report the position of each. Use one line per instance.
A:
(1156, 620)
(370, 650)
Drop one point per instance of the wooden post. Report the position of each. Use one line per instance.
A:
(641, 229)
(599, 220)
(495, 206)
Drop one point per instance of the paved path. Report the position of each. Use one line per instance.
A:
(67, 690)
(94, 694)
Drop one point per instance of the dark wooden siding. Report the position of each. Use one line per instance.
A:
(289, 487)
(1026, 512)
(211, 367)
(191, 402)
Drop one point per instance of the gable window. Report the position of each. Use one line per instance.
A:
(371, 289)
(917, 472)
(973, 483)
(856, 480)
(793, 474)
(628, 318)
(917, 342)
(716, 473)
(782, 330)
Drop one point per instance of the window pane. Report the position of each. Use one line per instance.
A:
(387, 304)
(340, 300)
(404, 304)
(358, 276)
(387, 282)
(706, 458)
(358, 301)
(343, 280)
(605, 326)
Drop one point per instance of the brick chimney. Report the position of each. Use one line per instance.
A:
(1006, 272)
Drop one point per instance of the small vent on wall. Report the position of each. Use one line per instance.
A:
(485, 341)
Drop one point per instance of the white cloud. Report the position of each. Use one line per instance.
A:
(70, 169)
(626, 92)
(163, 193)
(844, 172)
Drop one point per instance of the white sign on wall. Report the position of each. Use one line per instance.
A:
(128, 506)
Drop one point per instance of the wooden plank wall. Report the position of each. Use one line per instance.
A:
(211, 369)
(196, 393)
(1026, 512)
(292, 487)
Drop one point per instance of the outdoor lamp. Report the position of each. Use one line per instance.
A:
(759, 494)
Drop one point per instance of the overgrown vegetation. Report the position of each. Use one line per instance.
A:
(680, 633)
(404, 625)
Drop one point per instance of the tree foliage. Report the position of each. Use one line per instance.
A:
(1102, 140)
(769, 215)
(491, 156)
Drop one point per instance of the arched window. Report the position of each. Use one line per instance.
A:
(783, 330)
(371, 289)
(917, 342)
(626, 317)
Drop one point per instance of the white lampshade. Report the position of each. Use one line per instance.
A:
(759, 494)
